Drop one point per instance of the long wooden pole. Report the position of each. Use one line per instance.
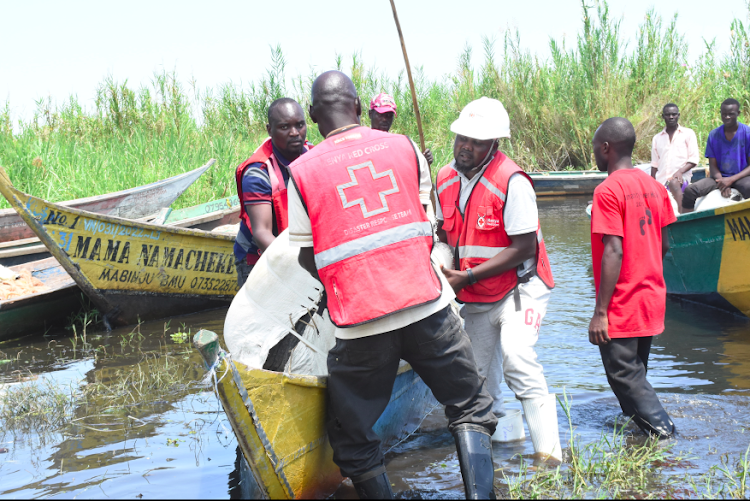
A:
(411, 81)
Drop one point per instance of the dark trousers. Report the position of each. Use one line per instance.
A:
(626, 363)
(361, 376)
(707, 185)
(243, 271)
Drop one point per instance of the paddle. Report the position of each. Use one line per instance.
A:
(413, 90)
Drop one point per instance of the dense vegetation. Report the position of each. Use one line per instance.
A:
(136, 136)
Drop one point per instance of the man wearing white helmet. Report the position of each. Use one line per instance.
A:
(487, 213)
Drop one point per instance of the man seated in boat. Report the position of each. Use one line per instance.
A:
(629, 222)
(674, 152)
(357, 212)
(728, 154)
(488, 214)
(262, 183)
(382, 114)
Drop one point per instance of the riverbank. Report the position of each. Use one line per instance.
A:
(134, 136)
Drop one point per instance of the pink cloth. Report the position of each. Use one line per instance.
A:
(669, 157)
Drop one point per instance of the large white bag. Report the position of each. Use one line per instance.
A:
(277, 294)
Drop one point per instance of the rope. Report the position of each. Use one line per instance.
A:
(414, 430)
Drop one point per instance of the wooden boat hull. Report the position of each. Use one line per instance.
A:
(17, 240)
(564, 183)
(43, 310)
(709, 256)
(130, 270)
(279, 420)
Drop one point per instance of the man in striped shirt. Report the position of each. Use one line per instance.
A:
(287, 131)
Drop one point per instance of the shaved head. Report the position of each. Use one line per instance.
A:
(334, 102)
(613, 144)
(619, 133)
(333, 88)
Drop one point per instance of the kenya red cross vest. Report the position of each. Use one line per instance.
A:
(264, 155)
(479, 233)
(371, 237)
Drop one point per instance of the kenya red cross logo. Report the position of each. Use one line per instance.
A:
(363, 185)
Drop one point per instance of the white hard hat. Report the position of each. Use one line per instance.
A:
(482, 119)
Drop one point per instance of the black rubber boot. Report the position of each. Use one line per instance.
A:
(474, 446)
(373, 485)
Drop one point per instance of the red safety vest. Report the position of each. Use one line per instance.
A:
(371, 236)
(483, 236)
(264, 155)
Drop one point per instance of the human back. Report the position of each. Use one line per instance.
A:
(368, 223)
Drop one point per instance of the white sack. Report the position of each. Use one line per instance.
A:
(277, 294)
(714, 200)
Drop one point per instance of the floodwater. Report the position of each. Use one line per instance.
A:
(173, 440)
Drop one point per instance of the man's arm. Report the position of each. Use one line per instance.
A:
(654, 158)
(688, 166)
(306, 259)
(692, 151)
(261, 223)
(664, 242)
(610, 273)
(522, 247)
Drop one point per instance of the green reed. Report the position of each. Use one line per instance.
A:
(136, 136)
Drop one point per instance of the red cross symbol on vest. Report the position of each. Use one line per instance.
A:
(368, 189)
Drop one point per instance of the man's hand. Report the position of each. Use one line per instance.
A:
(599, 329)
(457, 279)
(725, 186)
(677, 178)
(428, 156)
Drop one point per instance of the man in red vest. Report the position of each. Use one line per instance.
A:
(357, 212)
(487, 212)
(261, 184)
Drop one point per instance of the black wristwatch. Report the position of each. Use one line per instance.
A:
(472, 278)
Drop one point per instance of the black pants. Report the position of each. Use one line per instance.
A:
(707, 185)
(626, 363)
(243, 271)
(362, 372)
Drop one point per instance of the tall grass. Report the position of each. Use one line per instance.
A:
(135, 136)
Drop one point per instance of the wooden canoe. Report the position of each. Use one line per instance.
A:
(279, 421)
(47, 309)
(42, 310)
(132, 270)
(708, 257)
(563, 183)
(19, 244)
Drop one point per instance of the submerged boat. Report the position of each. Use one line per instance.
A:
(583, 182)
(279, 421)
(18, 244)
(708, 257)
(51, 307)
(132, 270)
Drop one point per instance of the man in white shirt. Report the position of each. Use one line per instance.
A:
(674, 152)
(363, 364)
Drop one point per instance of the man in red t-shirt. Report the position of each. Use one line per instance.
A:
(628, 242)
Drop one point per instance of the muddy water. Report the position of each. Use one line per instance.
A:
(174, 441)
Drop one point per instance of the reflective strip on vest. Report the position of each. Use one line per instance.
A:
(447, 183)
(372, 242)
(539, 237)
(487, 184)
(479, 251)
